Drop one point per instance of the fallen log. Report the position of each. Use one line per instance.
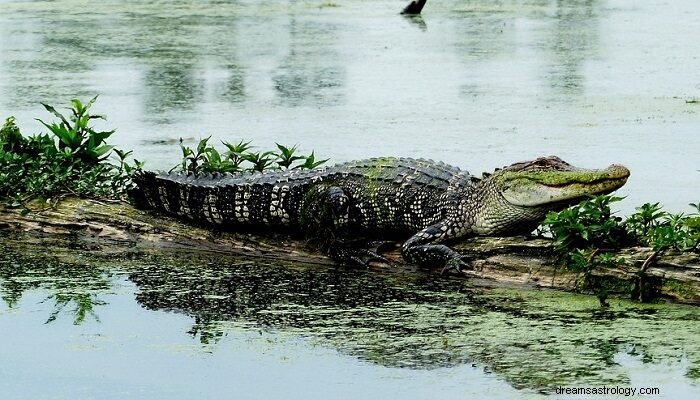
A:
(509, 260)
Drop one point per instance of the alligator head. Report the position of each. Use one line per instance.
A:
(519, 195)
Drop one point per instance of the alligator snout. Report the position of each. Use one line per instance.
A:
(618, 171)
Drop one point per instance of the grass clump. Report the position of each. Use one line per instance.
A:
(71, 159)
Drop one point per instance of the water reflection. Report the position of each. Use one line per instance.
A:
(180, 57)
(310, 74)
(233, 90)
(168, 56)
(532, 339)
(572, 41)
(563, 35)
(75, 289)
(486, 29)
(57, 70)
(416, 20)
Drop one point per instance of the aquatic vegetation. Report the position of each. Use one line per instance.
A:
(588, 235)
(239, 157)
(72, 159)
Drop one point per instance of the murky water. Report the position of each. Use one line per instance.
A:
(96, 324)
(478, 84)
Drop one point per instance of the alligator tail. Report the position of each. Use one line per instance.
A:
(171, 194)
(144, 194)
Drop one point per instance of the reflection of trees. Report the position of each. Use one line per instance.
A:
(57, 69)
(484, 30)
(417, 323)
(170, 47)
(566, 36)
(267, 296)
(305, 76)
(572, 40)
(73, 288)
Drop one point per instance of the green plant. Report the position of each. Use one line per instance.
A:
(11, 140)
(239, 157)
(71, 159)
(587, 224)
(286, 156)
(588, 233)
(677, 231)
(207, 159)
(260, 161)
(646, 218)
(661, 230)
(235, 152)
(311, 163)
(76, 136)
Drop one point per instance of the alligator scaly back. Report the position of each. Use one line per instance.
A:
(381, 188)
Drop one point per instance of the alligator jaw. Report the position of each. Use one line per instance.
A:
(542, 188)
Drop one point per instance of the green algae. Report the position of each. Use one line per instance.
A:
(679, 289)
(558, 178)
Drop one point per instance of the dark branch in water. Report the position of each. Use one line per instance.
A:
(414, 7)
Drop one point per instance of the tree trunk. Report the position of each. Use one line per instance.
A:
(507, 260)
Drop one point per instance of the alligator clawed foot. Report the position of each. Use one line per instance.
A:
(382, 246)
(454, 264)
(374, 256)
(356, 256)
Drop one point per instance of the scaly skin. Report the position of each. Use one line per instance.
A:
(431, 201)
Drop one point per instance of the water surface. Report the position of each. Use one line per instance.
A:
(478, 84)
(101, 324)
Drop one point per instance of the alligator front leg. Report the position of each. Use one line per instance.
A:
(420, 249)
(327, 212)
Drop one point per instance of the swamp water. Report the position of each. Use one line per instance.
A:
(100, 324)
(478, 84)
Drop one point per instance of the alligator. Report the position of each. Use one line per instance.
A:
(431, 203)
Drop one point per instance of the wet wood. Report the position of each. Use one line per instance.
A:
(414, 7)
(512, 260)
